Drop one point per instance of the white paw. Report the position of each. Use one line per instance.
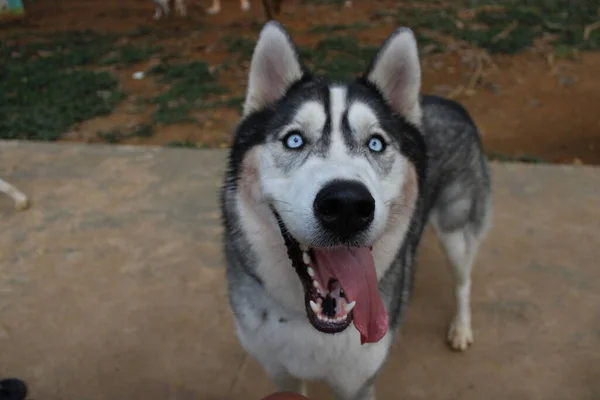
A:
(245, 6)
(302, 390)
(22, 203)
(460, 335)
(213, 10)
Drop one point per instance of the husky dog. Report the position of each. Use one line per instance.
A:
(20, 199)
(327, 191)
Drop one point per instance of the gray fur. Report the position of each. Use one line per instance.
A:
(454, 193)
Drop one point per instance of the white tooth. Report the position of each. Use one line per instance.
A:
(311, 272)
(306, 258)
(316, 284)
(348, 307)
(315, 307)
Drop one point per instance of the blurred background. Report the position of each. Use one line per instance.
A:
(107, 71)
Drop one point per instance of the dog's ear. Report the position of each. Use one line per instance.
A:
(396, 72)
(274, 68)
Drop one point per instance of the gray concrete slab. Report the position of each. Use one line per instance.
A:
(112, 285)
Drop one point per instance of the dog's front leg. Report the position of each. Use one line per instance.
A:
(349, 384)
(290, 384)
(283, 381)
(350, 392)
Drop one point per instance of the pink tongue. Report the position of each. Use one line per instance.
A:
(355, 270)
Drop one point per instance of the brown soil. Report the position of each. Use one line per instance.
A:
(525, 104)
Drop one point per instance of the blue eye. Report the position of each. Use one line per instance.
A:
(293, 140)
(376, 144)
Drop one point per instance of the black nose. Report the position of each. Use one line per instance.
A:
(344, 207)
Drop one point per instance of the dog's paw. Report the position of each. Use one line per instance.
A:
(460, 335)
(22, 204)
(245, 6)
(213, 10)
(21, 201)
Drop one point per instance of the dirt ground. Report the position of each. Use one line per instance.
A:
(531, 104)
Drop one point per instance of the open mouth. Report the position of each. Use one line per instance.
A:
(329, 310)
(340, 287)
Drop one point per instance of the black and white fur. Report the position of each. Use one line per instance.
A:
(432, 169)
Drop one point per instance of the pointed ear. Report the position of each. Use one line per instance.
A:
(274, 68)
(396, 72)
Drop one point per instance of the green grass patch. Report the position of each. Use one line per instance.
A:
(46, 85)
(236, 102)
(44, 90)
(191, 86)
(333, 28)
(242, 46)
(140, 31)
(340, 57)
(182, 144)
(130, 54)
(113, 137)
(509, 26)
(117, 135)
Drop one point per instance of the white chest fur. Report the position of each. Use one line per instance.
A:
(289, 344)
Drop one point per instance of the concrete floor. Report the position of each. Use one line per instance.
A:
(112, 286)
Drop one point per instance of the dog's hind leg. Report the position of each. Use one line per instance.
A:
(162, 7)
(21, 201)
(460, 220)
(215, 8)
(461, 247)
(351, 391)
(283, 381)
(289, 384)
(180, 6)
(267, 9)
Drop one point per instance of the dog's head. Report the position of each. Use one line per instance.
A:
(332, 166)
